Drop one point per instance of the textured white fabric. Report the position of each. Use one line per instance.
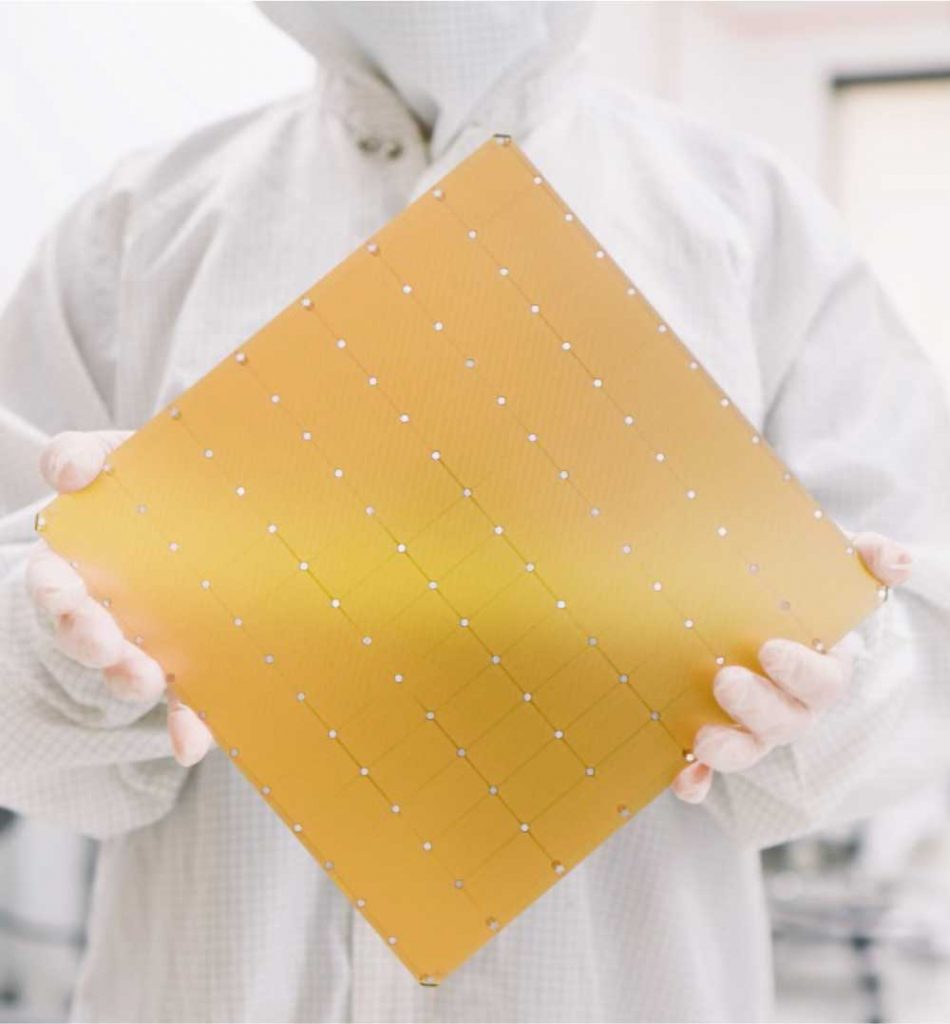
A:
(441, 58)
(205, 907)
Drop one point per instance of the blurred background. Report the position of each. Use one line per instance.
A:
(856, 94)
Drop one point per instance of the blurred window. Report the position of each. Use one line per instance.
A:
(891, 177)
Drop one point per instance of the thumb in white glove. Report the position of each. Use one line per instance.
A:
(84, 629)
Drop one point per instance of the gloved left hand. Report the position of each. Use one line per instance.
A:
(84, 630)
(796, 685)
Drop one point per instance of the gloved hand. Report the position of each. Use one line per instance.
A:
(85, 631)
(796, 686)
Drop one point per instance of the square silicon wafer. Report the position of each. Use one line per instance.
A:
(448, 554)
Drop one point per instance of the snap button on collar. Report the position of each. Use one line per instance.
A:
(373, 145)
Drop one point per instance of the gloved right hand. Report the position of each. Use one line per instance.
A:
(84, 629)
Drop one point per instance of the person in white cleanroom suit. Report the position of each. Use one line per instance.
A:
(205, 906)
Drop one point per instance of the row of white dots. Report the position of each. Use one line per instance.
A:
(534, 308)
(524, 827)
(430, 716)
(498, 530)
(501, 400)
(558, 733)
(560, 603)
(338, 472)
(491, 923)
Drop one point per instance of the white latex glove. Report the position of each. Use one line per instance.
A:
(796, 686)
(85, 631)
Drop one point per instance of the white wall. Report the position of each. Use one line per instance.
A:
(763, 68)
(83, 83)
(892, 181)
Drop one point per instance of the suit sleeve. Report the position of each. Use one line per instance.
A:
(858, 411)
(69, 751)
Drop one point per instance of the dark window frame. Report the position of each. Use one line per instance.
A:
(925, 74)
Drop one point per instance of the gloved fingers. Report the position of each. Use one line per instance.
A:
(693, 783)
(53, 584)
(760, 706)
(190, 737)
(89, 635)
(844, 653)
(135, 676)
(727, 748)
(816, 680)
(889, 561)
(73, 459)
